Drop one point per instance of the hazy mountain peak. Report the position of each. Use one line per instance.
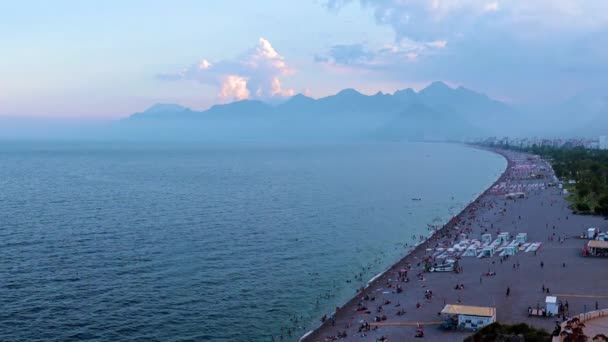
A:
(297, 101)
(166, 108)
(300, 97)
(242, 104)
(471, 94)
(437, 86)
(408, 92)
(348, 92)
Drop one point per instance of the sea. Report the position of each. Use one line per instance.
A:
(211, 242)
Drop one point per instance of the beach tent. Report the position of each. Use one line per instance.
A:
(552, 308)
(486, 239)
(521, 237)
(487, 252)
(459, 247)
(510, 250)
(496, 243)
(471, 251)
(533, 247)
(591, 233)
(514, 195)
(503, 237)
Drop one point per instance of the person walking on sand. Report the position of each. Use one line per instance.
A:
(542, 264)
(508, 291)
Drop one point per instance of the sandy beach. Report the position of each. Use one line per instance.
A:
(557, 266)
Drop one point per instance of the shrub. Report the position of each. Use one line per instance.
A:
(505, 332)
(582, 207)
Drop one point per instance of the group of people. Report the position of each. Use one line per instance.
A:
(459, 287)
(472, 218)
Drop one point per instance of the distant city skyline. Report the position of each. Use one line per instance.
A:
(69, 59)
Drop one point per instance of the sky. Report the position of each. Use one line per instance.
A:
(107, 59)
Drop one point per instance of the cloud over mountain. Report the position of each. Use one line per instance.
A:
(359, 56)
(434, 19)
(254, 74)
(505, 46)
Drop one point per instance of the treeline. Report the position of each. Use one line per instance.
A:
(504, 332)
(587, 167)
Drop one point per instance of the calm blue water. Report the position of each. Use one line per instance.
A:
(210, 242)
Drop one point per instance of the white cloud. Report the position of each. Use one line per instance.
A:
(254, 74)
(277, 89)
(440, 44)
(438, 19)
(491, 7)
(234, 87)
(204, 64)
(520, 47)
(357, 57)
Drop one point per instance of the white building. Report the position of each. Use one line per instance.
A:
(471, 317)
(603, 143)
(551, 305)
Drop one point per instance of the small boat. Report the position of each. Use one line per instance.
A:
(416, 199)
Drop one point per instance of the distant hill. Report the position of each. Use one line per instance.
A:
(582, 115)
(162, 110)
(436, 112)
(589, 111)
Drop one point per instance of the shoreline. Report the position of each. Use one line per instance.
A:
(549, 262)
(419, 247)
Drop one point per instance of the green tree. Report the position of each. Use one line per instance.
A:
(582, 189)
(602, 205)
(582, 207)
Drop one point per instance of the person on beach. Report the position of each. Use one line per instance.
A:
(508, 291)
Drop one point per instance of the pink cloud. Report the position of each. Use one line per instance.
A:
(234, 87)
(254, 74)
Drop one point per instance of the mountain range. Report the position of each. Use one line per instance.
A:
(435, 112)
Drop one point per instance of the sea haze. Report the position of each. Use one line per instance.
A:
(211, 242)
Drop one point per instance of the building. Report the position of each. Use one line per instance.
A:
(596, 248)
(551, 306)
(603, 143)
(470, 317)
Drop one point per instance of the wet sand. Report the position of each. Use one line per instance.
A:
(543, 215)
